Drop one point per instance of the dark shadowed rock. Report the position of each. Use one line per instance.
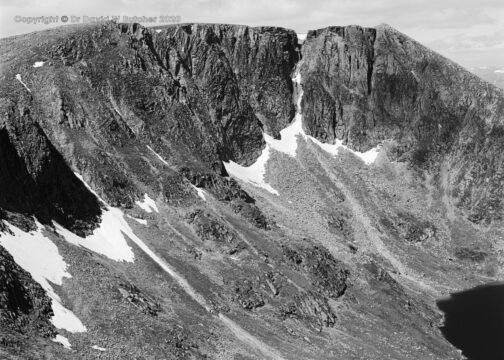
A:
(36, 180)
(25, 307)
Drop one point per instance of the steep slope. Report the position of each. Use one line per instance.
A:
(365, 86)
(26, 309)
(222, 191)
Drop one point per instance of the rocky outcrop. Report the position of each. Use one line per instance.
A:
(228, 191)
(310, 307)
(408, 227)
(368, 85)
(327, 274)
(246, 295)
(144, 302)
(244, 71)
(209, 228)
(336, 75)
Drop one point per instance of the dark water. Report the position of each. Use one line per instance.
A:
(474, 321)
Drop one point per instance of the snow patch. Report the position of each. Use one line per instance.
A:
(96, 347)
(39, 256)
(290, 135)
(367, 157)
(62, 340)
(253, 174)
(147, 204)
(301, 38)
(158, 31)
(108, 239)
(38, 64)
(158, 156)
(18, 78)
(201, 192)
(499, 71)
(141, 221)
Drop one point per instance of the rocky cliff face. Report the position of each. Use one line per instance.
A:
(195, 93)
(366, 86)
(343, 254)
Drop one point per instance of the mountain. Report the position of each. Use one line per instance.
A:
(229, 192)
(492, 74)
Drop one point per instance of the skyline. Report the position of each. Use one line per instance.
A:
(471, 35)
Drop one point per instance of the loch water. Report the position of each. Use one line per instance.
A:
(474, 321)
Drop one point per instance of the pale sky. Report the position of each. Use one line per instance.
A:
(471, 32)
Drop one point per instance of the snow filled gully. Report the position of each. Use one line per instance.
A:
(289, 137)
(38, 255)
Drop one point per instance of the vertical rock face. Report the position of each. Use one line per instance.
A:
(230, 82)
(336, 76)
(238, 66)
(365, 86)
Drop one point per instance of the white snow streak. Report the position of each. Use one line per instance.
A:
(38, 64)
(122, 226)
(254, 174)
(158, 156)
(108, 239)
(96, 347)
(158, 31)
(499, 71)
(141, 221)
(147, 204)
(367, 157)
(39, 256)
(18, 78)
(62, 340)
(201, 192)
(301, 38)
(290, 135)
